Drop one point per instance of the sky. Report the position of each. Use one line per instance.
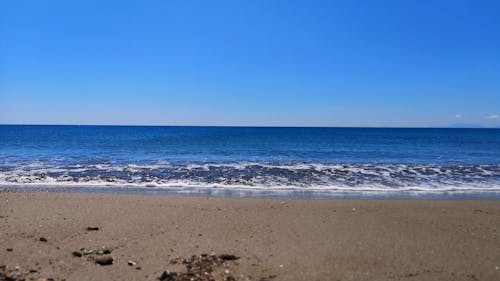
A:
(251, 63)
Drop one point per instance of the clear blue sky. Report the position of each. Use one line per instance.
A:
(272, 63)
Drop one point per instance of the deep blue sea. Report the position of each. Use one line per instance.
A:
(345, 159)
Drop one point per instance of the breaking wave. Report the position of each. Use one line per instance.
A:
(355, 177)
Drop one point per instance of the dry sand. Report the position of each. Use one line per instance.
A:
(277, 240)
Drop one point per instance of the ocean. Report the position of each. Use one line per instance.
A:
(369, 160)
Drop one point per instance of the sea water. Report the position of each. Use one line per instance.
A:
(312, 159)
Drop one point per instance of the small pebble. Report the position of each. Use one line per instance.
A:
(77, 254)
(43, 239)
(228, 257)
(104, 260)
(88, 252)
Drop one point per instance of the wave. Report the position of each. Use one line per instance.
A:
(310, 176)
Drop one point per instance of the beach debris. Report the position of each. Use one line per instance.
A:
(206, 267)
(9, 249)
(7, 273)
(131, 263)
(77, 254)
(42, 239)
(100, 256)
(104, 260)
(92, 228)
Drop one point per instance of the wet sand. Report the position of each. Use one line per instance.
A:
(273, 239)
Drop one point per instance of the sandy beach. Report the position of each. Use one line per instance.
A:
(62, 236)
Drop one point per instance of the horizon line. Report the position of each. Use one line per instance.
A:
(254, 126)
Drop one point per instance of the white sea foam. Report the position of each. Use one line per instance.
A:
(189, 184)
(251, 175)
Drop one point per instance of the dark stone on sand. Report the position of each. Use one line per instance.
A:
(77, 254)
(9, 249)
(92, 228)
(104, 260)
(103, 251)
(43, 239)
(168, 276)
(228, 257)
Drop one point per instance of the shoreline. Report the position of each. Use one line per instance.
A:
(273, 239)
(261, 193)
